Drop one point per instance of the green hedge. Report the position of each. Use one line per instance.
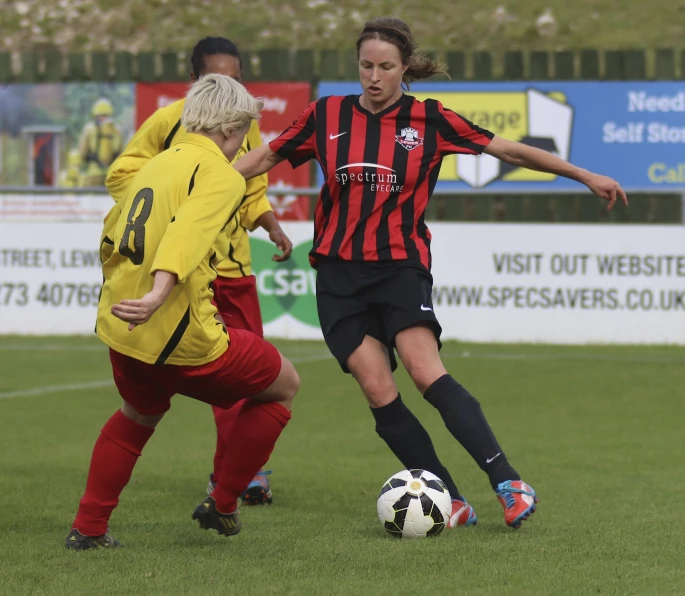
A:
(314, 65)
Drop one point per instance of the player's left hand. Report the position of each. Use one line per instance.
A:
(283, 244)
(137, 312)
(606, 188)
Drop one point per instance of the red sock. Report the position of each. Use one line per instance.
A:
(248, 448)
(224, 420)
(115, 454)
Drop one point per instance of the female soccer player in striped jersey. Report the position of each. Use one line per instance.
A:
(381, 153)
(235, 288)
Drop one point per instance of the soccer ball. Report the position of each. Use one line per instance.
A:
(414, 504)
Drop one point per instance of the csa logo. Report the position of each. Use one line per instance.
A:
(409, 138)
(539, 119)
(288, 287)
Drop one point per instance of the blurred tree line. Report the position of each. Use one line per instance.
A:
(146, 25)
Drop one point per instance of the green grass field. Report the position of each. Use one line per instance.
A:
(597, 431)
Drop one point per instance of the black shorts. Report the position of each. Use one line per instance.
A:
(378, 299)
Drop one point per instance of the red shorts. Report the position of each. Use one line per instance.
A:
(238, 303)
(249, 366)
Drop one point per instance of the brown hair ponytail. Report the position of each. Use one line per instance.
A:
(398, 33)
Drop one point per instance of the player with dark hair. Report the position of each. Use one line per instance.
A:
(380, 153)
(209, 53)
(158, 264)
(235, 288)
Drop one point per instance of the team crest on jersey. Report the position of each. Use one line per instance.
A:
(409, 138)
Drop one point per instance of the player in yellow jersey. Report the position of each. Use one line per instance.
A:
(157, 316)
(235, 288)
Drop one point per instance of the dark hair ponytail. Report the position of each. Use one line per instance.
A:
(422, 66)
(397, 32)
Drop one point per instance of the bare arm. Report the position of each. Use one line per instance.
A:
(524, 156)
(257, 162)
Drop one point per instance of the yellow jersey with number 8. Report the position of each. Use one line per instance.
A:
(173, 218)
(163, 130)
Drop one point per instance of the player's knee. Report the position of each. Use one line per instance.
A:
(285, 386)
(144, 420)
(289, 381)
(378, 389)
(423, 378)
(424, 372)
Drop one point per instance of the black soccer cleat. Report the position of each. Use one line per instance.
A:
(77, 541)
(227, 524)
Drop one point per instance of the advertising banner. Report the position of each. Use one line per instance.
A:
(287, 291)
(50, 278)
(631, 131)
(567, 284)
(529, 283)
(570, 284)
(283, 103)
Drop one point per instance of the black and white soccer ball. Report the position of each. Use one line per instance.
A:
(414, 504)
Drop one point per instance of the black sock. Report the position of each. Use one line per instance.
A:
(464, 418)
(410, 442)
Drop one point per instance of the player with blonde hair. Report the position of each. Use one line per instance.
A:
(235, 287)
(159, 251)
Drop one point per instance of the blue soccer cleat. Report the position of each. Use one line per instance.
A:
(258, 492)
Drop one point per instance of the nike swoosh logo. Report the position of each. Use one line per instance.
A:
(332, 136)
(425, 307)
(487, 461)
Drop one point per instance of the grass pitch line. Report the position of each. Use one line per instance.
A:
(50, 348)
(98, 384)
(55, 389)
(579, 356)
(317, 357)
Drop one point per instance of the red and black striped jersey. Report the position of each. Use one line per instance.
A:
(379, 169)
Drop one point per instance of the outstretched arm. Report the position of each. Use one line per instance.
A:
(296, 143)
(256, 162)
(524, 156)
(256, 210)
